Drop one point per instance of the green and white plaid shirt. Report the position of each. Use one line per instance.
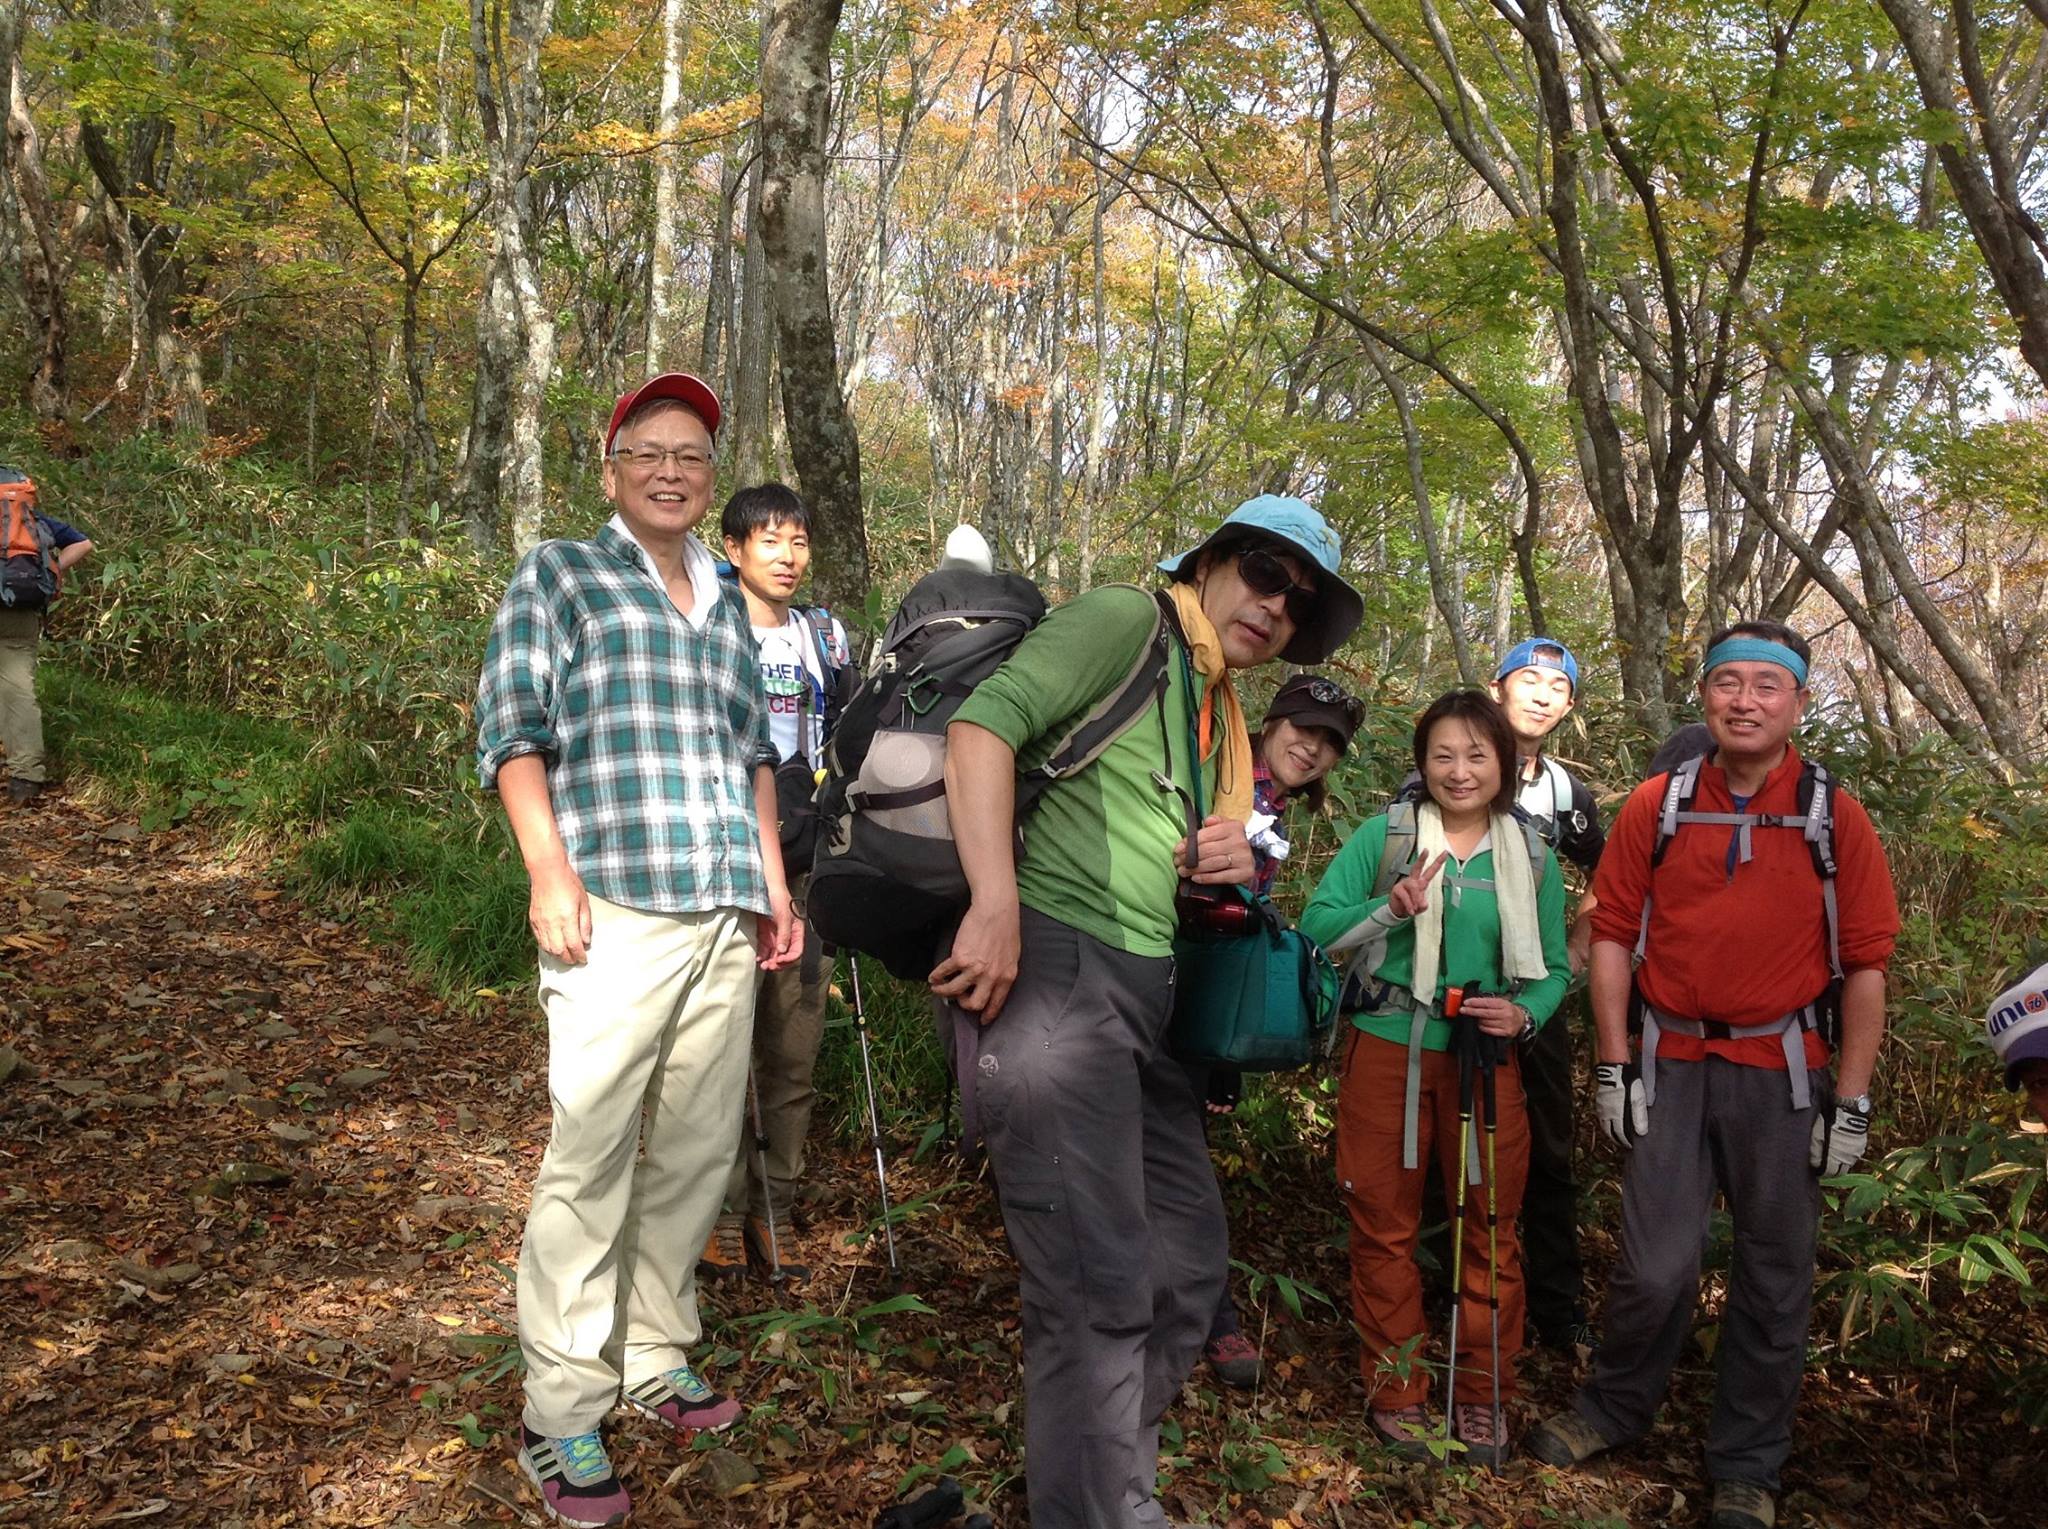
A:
(651, 723)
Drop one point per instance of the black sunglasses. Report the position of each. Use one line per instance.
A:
(1265, 575)
(1328, 693)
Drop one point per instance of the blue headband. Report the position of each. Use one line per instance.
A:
(1758, 650)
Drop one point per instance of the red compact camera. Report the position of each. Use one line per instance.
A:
(1213, 912)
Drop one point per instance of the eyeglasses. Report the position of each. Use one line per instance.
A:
(1728, 686)
(644, 459)
(1265, 575)
(1328, 693)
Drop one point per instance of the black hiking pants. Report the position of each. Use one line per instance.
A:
(1550, 1204)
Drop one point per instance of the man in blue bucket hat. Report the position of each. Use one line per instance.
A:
(1061, 981)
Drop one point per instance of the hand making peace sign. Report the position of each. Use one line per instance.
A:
(1410, 895)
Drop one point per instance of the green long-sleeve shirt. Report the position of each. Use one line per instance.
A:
(1471, 949)
(1098, 848)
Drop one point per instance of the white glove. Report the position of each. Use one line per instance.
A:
(1839, 1137)
(1624, 1111)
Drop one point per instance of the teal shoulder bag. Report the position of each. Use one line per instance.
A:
(1249, 992)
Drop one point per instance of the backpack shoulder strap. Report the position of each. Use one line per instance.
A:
(1399, 847)
(1679, 790)
(1533, 837)
(817, 623)
(1142, 687)
(1817, 805)
(1560, 791)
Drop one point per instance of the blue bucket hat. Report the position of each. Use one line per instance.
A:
(1277, 518)
(1537, 653)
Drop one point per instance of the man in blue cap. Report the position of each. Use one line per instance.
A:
(1537, 685)
(1065, 959)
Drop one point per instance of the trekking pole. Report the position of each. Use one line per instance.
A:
(767, 1192)
(1489, 1060)
(1454, 1000)
(867, 1069)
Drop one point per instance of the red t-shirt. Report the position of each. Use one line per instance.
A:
(1749, 945)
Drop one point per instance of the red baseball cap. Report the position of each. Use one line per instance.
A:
(692, 392)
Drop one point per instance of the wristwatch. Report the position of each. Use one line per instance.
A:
(1860, 1103)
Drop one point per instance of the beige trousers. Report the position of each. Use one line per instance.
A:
(21, 723)
(647, 1046)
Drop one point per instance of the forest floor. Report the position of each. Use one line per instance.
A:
(260, 1196)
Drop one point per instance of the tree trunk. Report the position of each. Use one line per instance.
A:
(44, 268)
(497, 324)
(508, 86)
(796, 82)
(753, 446)
(663, 319)
(714, 356)
(1977, 159)
(1845, 467)
(1443, 590)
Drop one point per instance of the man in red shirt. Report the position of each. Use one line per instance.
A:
(1713, 932)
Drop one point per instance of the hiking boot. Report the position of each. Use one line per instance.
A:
(574, 1478)
(1235, 1359)
(1742, 1505)
(23, 793)
(761, 1254)
(1403, 1431)
(681, 1399)
(1483, 1446)
(725, 1255)
(1564, 1438)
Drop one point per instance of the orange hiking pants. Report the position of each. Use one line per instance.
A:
(1384, 1202)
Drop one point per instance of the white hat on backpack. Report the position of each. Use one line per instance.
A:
(968, 548)
(2017, 1025)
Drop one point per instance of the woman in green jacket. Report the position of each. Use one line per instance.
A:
(1468, 900)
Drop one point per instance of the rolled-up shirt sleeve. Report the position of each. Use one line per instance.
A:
(516, 694)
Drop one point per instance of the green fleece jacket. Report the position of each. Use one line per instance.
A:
(1098, 848)
(1344, 902)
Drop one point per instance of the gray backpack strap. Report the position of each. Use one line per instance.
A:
(1395, 854)
(1398, 849)
(1820, 839)
(1679, 790)
(1144, 685)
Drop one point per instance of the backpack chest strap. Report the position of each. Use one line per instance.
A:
(1460, 885)
(1741, 822)
(1789, 1028)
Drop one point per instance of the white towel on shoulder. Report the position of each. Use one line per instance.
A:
(1514, 891)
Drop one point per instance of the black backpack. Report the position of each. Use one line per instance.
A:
(886, 879)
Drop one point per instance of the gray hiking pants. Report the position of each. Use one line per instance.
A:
(1113, 1214)
(1715, 1124)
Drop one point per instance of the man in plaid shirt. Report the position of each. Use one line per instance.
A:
(621, 721)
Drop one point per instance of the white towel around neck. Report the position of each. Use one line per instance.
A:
(1514, 891)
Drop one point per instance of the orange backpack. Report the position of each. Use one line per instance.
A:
(28, 575)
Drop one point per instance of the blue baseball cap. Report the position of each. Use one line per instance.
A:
(1276, 517)
(1540, 653)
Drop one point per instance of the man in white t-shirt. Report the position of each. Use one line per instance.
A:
(806, 674)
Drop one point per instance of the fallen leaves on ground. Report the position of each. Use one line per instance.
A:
(262, 1197)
